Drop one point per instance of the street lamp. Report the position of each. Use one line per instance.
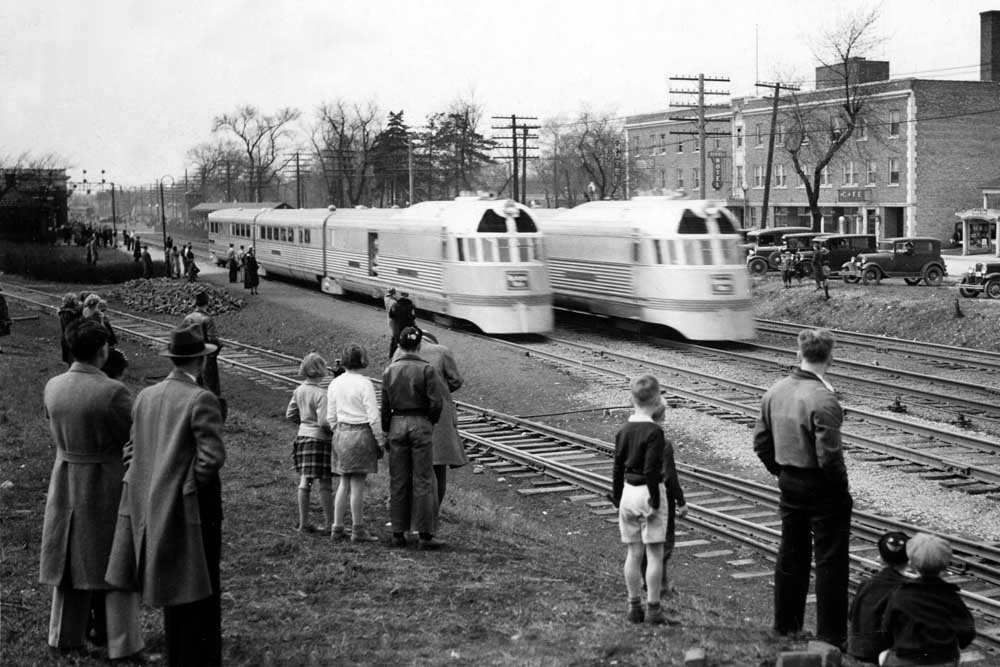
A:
(163, 217)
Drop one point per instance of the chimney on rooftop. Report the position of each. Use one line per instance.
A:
(989, 46)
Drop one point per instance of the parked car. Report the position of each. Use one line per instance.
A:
(983, 278)
(764, 247)
(841, 248)
(912, 258)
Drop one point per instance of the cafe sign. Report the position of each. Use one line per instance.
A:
(854, 194)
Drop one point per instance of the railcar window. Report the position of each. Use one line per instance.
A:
(460, 247)
(524, 224)
(669, 253)
(725, 225)
(658, 251)
(492, 223)
(692, 224)
(283, 234)
(731, 252)
(706, 251)
(306, 236)
(524, 250)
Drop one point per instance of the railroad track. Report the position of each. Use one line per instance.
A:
(548, 460)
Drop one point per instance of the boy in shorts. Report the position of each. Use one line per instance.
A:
(639, 493)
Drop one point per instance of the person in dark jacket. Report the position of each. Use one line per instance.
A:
(638, 491)
(925, 619)
(865, 639)
(69, 312)
(402, 314)
(411, 405)
(250, 267)
(797, 438)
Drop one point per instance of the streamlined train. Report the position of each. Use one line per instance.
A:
(500, 265)
(471, 259)
(666, 261)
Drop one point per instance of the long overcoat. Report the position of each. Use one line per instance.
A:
(176, 441)
(89, 417)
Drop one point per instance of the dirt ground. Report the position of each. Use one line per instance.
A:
(524, 581)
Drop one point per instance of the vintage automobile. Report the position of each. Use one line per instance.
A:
(983, 278)
(764, 247)
(840, 249)
(915, 259)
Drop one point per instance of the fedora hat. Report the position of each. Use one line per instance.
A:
(187, 342)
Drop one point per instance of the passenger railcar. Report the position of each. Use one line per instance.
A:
(235, 228)
(472, 259)
(654, 259)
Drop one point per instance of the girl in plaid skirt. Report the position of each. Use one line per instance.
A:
(313, 446)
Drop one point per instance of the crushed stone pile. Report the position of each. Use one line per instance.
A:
(171, 297)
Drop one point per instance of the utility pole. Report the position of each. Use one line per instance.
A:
(770, 146)
(701, 122)
(409, 166)
(518, 183)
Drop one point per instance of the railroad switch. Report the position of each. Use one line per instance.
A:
(897, 406)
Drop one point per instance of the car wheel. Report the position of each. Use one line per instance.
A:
(871, 275)
(774, 260)
(757, 266)
(851, 280)
(992, 289)
(933, 276)
(912, 281)
(966, 292)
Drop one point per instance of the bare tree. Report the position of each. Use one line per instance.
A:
(217, 167)
(262, 138)
(344, 139)
(587, 154)
(815, 133)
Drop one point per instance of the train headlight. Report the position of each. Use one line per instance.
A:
(510, 209)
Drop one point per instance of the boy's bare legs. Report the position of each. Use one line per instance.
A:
(633, 581)
(654, 572)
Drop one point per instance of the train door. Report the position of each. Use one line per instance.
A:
(373, 253)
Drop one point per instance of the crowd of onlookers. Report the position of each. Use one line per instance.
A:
(134, 504)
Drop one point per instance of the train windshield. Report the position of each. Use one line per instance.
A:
(490, 248)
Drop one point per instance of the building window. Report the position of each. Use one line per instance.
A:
(779, 134)
(652, 143)
(824, 177)
(760, 135)
(663, 143)
(680, 146)
(862, 128)
(850, 176)
(695, 178)
(870, 175)
(739, 136)
(740, 180)
(680, 179)
(697, 147)
(893, 123)
(780, 178)
(663, 178)
(758, 175)
(893, 171)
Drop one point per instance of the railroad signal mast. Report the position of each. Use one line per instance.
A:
(519, 131)
(700, 121)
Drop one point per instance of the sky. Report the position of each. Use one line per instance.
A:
(130, 86)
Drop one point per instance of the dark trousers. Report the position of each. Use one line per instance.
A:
(815, 517)
(412, 485)
(193, 631)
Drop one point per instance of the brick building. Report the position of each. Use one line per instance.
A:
(33, 203)
(921, 151)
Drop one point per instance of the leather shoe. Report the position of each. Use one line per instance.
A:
(430, 544)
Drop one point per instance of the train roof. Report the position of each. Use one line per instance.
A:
(460, 215)
(236, 214)
(649, 214)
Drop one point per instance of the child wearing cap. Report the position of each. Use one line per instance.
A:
(865, 639)
(925, 620)
(639, 493)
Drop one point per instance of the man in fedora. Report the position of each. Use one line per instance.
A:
(169, 536)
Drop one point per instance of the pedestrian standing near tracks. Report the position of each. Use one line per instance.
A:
(168, 540)
(136, 248)
(411, 405)
(175, 262)
(821, 269)
(231, 263)
(250, 267)
(797, 438)
(402, 314)
(312, 449)
(352, 411)
(448, 450)
(147, 262)
(5, 320)
(202, 318)
(69, 311)
(241, 256)
(89, 417)
(638, 490)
